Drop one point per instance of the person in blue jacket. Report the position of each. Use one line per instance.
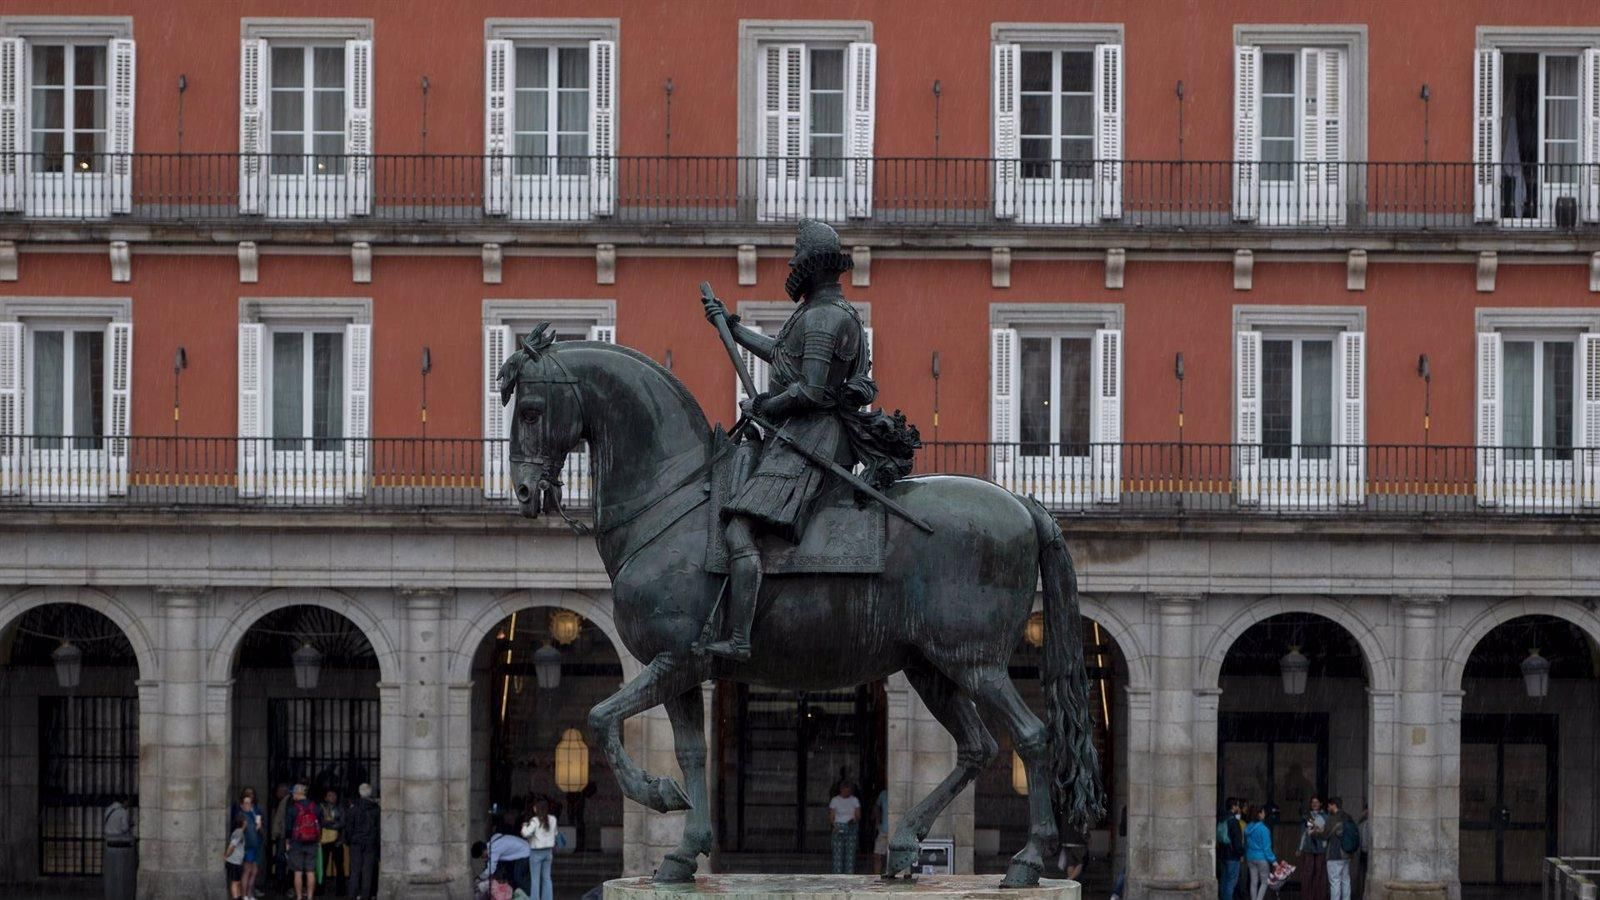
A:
(1258, 852)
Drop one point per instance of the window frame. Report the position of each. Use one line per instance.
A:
(1055, 441)
(308, 91)
(68, 328)
(69, 129)
(1297, 339)
(1352, 39)
(553, 92)
(308, 329)
(1537, 448)
(755, 34)
(1057, 165)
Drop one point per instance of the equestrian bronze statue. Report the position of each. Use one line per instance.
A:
(821, 577)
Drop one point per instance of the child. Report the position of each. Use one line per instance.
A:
(233, 859)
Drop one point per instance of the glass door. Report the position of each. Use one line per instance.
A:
(1508, 797)
(66, 393)
(1054, 411)
(1276, 760)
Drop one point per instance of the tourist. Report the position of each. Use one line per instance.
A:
(480, 883)
(362, 828)
(1313, 850)
(1258, 853)
(333, 858)
(303, 831)
(280, 858)
(508, 858)
(255, 840)
(1230, 848)
(1344, 841)
(541, 833)
(845, 812)
(119, 862)
(233, 859)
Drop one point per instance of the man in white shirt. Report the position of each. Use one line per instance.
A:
(845, 812)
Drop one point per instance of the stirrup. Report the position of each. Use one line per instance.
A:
(736, 650)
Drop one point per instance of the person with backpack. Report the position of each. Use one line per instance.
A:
(303, 831)
(1344, 842)
(1230, 849)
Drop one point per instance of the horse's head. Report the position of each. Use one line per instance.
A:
(546, 418)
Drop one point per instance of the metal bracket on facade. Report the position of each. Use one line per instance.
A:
(747, 264)
(121, 261)
(493, 259)
(1355, 271)
(1244, 265)
(1116, 265)
(861, 274)
(361, 262)
(605, 263)
(8, 260)
(1000, 267)
(1488, 262)
(249, 263)
(1594, 272)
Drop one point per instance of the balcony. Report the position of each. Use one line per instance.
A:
(461, 197)
(1132, 480)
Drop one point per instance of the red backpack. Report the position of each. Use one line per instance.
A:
(307, 825)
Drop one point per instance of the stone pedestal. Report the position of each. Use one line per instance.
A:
(837, 887)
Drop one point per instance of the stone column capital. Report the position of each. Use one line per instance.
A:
(181, 596)
(423, 599)
(1178, 598)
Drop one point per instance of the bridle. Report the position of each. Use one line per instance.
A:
(548, 466)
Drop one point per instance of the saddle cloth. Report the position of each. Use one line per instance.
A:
(841, 538)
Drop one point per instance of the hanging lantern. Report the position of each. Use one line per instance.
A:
(1536, 674)
(547, 667)
(565, 625)
(572, 762)
(1019, 774)
(1294, 667)
(1033, 633)
(69, 664)
(307, 667)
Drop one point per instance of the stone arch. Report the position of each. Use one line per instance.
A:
(132, 627)
(219, 665)
(1574, 612)
(1125, 637)
(458, 668)
(1380, 668)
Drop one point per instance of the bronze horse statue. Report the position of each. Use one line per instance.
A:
(948, 611)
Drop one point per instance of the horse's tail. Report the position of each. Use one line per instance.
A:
(1075, 790)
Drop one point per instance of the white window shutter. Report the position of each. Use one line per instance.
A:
(357, 407)
(860, 90)
(13, 146)
(1486, 136)
(1247, 415)
(1007, 128)
(605, 334)
(757, 367)
(1488, 434)
(1323, 137)
(252, 125)
(1589, 417)
(1352, 412)
(118, 404)
(499, 62)
(1108, 129)
(119, 124)
(1310, 170)
(1590, 91)
(253, 449)
(496, 426)
(1246, 133)
(782, 78)
(603, 126)
(11, 408)
(358, 125)
(1004, 373)
(1105, 416)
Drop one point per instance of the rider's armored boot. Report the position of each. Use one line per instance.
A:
(744, 585)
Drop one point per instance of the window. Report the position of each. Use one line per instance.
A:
(1538, 410)
(68, 103)
(307, 389)
(1539, 389)
(1054, 400)
(552, 110)
(1296, 398)
(1280, 101)
(306, 113)
(68, 388)
(1057, 113)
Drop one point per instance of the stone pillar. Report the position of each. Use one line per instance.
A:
(176, 858)
(648, 836)
(920, 754)
(415, 717)
(1177, 823)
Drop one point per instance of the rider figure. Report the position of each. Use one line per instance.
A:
(819, 363)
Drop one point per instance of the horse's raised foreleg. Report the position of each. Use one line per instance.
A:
(665, 678)
(975, 749)
(687, 712)
(993, 688)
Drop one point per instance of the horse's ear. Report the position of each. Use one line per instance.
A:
(539, 339)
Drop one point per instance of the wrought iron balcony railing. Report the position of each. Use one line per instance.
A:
(710, 191)
(1125, 480)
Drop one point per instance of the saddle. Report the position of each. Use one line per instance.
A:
(841, 538)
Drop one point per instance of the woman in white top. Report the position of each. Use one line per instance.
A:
(541, 834)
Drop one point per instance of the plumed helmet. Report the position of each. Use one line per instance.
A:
(816, 252)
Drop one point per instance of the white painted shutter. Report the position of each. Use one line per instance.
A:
(1322, 135)
(1590, 181)
(358, 125)
(1589, 417)
(757, 367)
(1489, 450)
(1004, 373)
(252, 125)
(1108, 129)
(12, 426)
(1007, 128)
(1486, 136)
(605, 334)
(119, 124)
(603, 126)
(496, 427)
(1105, 421)
(1310, 170)
(13, 149)
(860, 90)
(357, 407)
(1246, 133)
(499, 67)
(1350, 466)
(1247, 422)
(782, 86)
(118, 405)
(253, 449)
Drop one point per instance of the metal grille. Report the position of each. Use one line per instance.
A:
(324, 742)
(89, 754)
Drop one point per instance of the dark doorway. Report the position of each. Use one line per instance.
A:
(1273, 759)
(1508, 797)
(89, 749)
(329, 743)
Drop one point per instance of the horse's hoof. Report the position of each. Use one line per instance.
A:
(901, 859)
(667, 796)
(675, 869)
(1022, 874)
